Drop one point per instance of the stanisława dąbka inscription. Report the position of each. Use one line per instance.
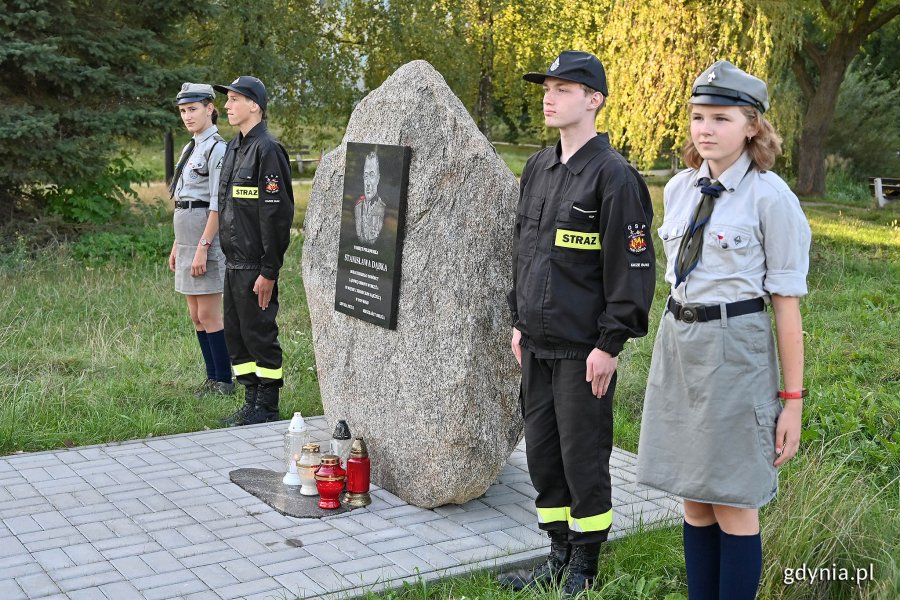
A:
(372, 221)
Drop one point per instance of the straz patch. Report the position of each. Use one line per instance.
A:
(636, 238)
(271, 183)
(245, 191)
(580, 240)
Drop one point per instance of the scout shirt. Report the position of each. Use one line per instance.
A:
(755, 244)
(583, 264)
(257, 202)
(200, 178)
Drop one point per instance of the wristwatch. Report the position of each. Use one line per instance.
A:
(204, 242)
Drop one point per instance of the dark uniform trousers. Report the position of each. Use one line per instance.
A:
(569, 441)
(251, 332)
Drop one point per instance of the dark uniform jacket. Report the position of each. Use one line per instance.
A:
(256, 202)
(583, 263)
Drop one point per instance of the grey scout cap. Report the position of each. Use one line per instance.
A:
(194, 92)
(246, 85)
(723, 84)
(577, 66)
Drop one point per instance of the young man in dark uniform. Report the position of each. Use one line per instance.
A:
(256, 205)
(583, 281)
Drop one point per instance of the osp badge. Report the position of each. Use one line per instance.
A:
(636, 237)
(271, 184)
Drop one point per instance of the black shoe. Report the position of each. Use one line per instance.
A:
(204, 388)
(222, 388)
(266, 409)
(582, 572)
(548, 573)
(240, 415)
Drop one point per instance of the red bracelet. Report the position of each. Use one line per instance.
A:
(803, 393)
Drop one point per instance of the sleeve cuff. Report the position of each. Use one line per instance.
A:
(610, 346)
(269, 273)
(786, 283)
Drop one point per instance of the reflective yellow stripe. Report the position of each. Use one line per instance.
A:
(244, 368)
(269, 373)
(595, 523)
(580, 240)
(244, 191)
(551, 515)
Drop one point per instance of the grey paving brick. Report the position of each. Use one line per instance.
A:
(120, 590)
(528, 536)
(215, 573)
(176, 590)
(53, 538)
(132, 567)
(161, 562)
(290, 565)
(434, 557)
(200, 548)
(10, 548)
(171, 538)
(427, 533)
(243, 590)
(27, 506)
(493, 524)
(505, 542)
(62, 501)
(86, 594)
(54, 558)
(208, 559)
(479, 553)
(94, 532)
(83, 554)
(387, 497)
(92, 514)
(10, 590)
(402, 543)
(349, 526)
(19, 567)
(299, 584)
(409, 562)
(352, 547)
(50, 520)
(243, 570)
(368, 563)
(164, 580)
(22, 525)
(207, 595)
(274, 520)
(519, 513)
(37, 585)
(379, 575)
(460, 544)
(142, 547)
(249, 527)
(90, 580)
(327, 578)
(124, 527)
(325, 552)
(451, 529)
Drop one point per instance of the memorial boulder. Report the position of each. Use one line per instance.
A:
(436, 398)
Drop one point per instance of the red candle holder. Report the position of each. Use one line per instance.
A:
(330, 481)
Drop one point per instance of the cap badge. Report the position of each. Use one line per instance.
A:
(555, 64)
(185, 86)
(710, 77)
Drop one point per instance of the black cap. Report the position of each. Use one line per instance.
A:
(246, 85)
(577, 66)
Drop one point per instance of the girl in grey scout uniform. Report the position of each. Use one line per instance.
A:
(716, 426)
(196, 258)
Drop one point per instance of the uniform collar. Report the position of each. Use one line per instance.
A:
(257, 131)
(583, 156)
(205, 134)
(732, 176)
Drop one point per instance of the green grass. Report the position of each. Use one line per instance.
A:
(96, 346)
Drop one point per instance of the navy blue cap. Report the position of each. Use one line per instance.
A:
(577, 66)
(246, 85)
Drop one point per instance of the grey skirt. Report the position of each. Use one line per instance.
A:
(189, 226)
(708, 425)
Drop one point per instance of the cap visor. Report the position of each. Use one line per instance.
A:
(188, 99)
(224, 89)
(534, 77)
(718, 100)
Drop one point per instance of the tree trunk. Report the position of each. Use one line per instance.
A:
(816, 122)
(486, 74)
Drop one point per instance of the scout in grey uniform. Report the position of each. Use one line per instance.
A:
(714, 430)
(196, 258)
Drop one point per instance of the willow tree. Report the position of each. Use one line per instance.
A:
(652, 50)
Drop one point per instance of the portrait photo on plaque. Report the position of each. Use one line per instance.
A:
(372, 220)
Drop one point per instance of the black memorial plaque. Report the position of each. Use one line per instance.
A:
(372, 221)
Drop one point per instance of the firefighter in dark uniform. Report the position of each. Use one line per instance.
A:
(256, 207)
(584, 274)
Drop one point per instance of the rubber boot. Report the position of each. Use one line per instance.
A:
(266, 408)
(582, 569)
(548, 573)
(240, 415)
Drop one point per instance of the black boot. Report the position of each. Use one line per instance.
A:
(582, 569)
(266, 409)
(238, 416)
(547, 573)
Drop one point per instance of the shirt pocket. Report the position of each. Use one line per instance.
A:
(529, 221)
(576, 241)
(671, 233)
(728, 249)
(201, 168)
(244, 188)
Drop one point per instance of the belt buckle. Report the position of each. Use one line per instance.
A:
(688, 314)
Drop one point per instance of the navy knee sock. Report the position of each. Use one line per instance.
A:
(701, 557)
(740, 567)
(220, 355)
(203, 338)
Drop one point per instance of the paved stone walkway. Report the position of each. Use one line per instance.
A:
(159, 518)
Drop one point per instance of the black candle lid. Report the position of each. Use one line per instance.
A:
(341, 430)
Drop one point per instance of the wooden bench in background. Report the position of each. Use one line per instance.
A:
(303, 155)
(884, 189)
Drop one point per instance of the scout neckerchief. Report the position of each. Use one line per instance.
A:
(692, 243)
